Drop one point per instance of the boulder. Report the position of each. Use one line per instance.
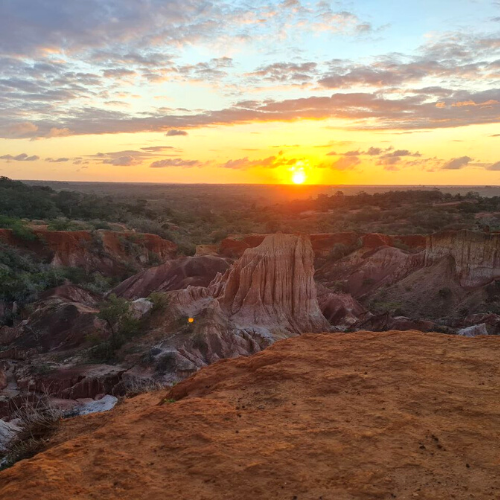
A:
(8, 433)
(340, 309)
(140, 308)
(473, 331)
(106, 403)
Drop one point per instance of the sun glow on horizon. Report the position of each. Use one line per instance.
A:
(299, 177)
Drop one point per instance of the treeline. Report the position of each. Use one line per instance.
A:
(19, 200)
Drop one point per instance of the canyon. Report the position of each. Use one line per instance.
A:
(234, 299)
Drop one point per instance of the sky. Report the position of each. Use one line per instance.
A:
(257, 91)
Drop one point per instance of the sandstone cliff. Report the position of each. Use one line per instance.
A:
(476, 255)
(272, 285)
(106, 251)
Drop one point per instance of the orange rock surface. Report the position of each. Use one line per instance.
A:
(330, 416)
(75, 248)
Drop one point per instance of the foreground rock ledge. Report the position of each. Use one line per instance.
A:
(330, 416)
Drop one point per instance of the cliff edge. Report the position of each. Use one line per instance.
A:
(326, 416)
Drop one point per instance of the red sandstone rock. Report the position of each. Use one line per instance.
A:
(476, 255)
(268, 294)
(340, 309)
(173, 275)
(376, 240)
(61, 320)
(365, 271)
(414, 241)
(104, 251)
(272, 285)
(77, 382)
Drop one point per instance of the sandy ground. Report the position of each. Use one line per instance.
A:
(326, 417)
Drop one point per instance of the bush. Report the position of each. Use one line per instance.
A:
(63, 224)
(18, 227)
(123, 326)
(338, 252)
(160, 301)
(22, 277)
(39, 419)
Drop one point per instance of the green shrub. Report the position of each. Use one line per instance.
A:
(18, 228)
(122, 325)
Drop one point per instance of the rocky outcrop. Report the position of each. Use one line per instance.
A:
(473, 331)
(364, 271)
(268, 294)
(324, 243)
(358, 416)
(173, 275)
(86, 381)
(383, 322)
(60, 320)
(342, 310)
(476, 255)
(108, 252)
(234, 247)
(272, 286)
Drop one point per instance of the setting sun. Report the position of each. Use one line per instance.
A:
(299, 177)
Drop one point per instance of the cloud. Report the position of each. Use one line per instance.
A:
(124, 161)
(286, 72)
(401, 152)
(364, 111)
(345, 163)
(175, 162)
(371, 151)
(494, 166)
(269, 162)
(57, 160)
(21, 129)
(174, 132)
(20, 157)
(457, 163)
(154, 149)
(131, 157)
(48, 27)
(63, 66)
